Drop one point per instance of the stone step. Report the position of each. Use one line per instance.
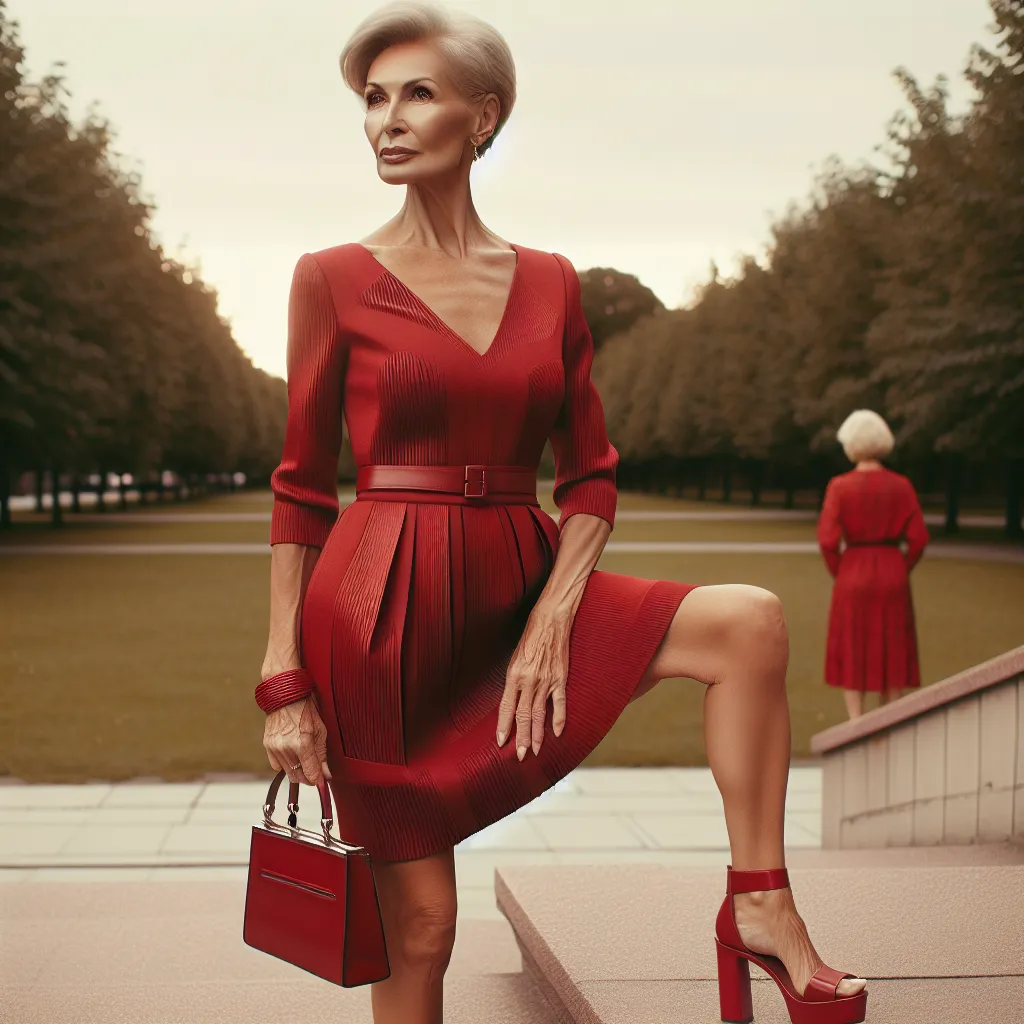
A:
(941, 938)
(172, 953)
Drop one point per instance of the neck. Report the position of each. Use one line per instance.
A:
(440, 214)
(869, 464)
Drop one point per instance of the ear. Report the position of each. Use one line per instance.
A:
(490, 111)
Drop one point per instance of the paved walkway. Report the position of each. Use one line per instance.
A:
(200, 831)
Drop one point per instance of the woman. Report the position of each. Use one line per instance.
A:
(871, 638)
(417, 640)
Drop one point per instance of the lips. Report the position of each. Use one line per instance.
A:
(397, 151)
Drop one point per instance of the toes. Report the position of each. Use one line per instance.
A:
(850, 986)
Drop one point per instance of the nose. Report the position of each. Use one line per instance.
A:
(391, 126)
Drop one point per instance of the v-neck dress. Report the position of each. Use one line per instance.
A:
(415, 605)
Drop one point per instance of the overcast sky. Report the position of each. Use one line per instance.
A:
(649, 136)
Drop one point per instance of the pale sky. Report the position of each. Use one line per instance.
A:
(649, 136)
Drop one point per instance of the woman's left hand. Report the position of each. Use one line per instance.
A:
(538, 671)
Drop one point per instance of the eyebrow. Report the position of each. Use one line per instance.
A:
(405, 85)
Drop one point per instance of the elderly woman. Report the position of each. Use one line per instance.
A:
(871, 511)
(443, 652)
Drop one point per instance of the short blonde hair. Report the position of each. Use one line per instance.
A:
(478, 57)
(865, 435)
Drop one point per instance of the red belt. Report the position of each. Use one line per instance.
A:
(497, 484)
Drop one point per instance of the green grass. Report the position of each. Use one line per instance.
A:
(121, 666)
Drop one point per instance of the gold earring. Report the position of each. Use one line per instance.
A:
(476, 155)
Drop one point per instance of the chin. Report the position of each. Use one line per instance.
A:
(412, 173)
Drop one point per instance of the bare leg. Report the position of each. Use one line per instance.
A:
(418, 906)
(889, 695)
(854, 702)
(734, 638)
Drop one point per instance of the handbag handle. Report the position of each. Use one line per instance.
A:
(326, 807)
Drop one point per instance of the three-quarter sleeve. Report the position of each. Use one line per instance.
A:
(915, 533)
(585, 461)
(305, 483)
(830, 529)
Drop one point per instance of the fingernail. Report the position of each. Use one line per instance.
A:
(521, 753)
(501, 738)
(536, 749)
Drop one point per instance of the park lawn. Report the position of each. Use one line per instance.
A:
(124, 666)
(114, 529)
(119, 531)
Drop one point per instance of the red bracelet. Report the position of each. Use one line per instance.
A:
(284, 688)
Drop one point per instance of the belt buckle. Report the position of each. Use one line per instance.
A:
(470, 479)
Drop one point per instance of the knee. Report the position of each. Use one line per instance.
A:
(427, 928)
(758, 625)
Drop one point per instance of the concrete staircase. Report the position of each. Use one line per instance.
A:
(939, 931)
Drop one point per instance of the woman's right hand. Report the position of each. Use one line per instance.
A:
(295, 739)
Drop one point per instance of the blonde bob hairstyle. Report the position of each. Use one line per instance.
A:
(478, 57)
(865, 435)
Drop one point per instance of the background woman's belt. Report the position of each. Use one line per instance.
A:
(872, 543)
(497, 484)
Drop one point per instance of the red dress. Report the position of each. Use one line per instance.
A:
(418, 600)
(872, 643)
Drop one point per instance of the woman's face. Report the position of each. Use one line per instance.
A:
(417, 122)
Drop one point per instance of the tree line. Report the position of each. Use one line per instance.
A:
(113, 358)
(897, 287)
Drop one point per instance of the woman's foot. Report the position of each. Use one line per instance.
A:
(768, 922)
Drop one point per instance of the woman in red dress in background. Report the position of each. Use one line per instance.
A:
(442, 651)
(872, 642)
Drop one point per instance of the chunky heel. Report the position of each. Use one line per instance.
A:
(819, 1003)
(734, 986)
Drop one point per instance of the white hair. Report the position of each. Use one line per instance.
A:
(478, 57)
(865, 435)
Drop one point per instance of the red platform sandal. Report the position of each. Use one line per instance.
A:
(820, 1003)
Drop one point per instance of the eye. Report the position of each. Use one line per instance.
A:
(421, 92)
(373, 99)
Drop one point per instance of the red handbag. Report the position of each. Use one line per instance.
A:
(311, 899)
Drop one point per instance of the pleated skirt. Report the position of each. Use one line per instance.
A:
(408, 624)
(872, 637)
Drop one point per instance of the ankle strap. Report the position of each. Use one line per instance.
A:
(755, 881)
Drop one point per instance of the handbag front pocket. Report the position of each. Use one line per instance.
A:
(314, 890)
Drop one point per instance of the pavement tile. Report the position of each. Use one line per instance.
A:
(89, 795)
(224, 840)
(234, 794)
(90, 874)
(512, 833)
(233, 815)
(199, 874)
(608, 781)
(475, 867)
(674, 832)
(478, 903)
(30, 817)
(115, 839)
(673, 858)
(37, 841)
(593, 832)
(625, 803)
(809, 821)
(151, 795)
(121, 815)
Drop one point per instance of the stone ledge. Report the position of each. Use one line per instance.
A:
(631, 944)
(989, 673)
